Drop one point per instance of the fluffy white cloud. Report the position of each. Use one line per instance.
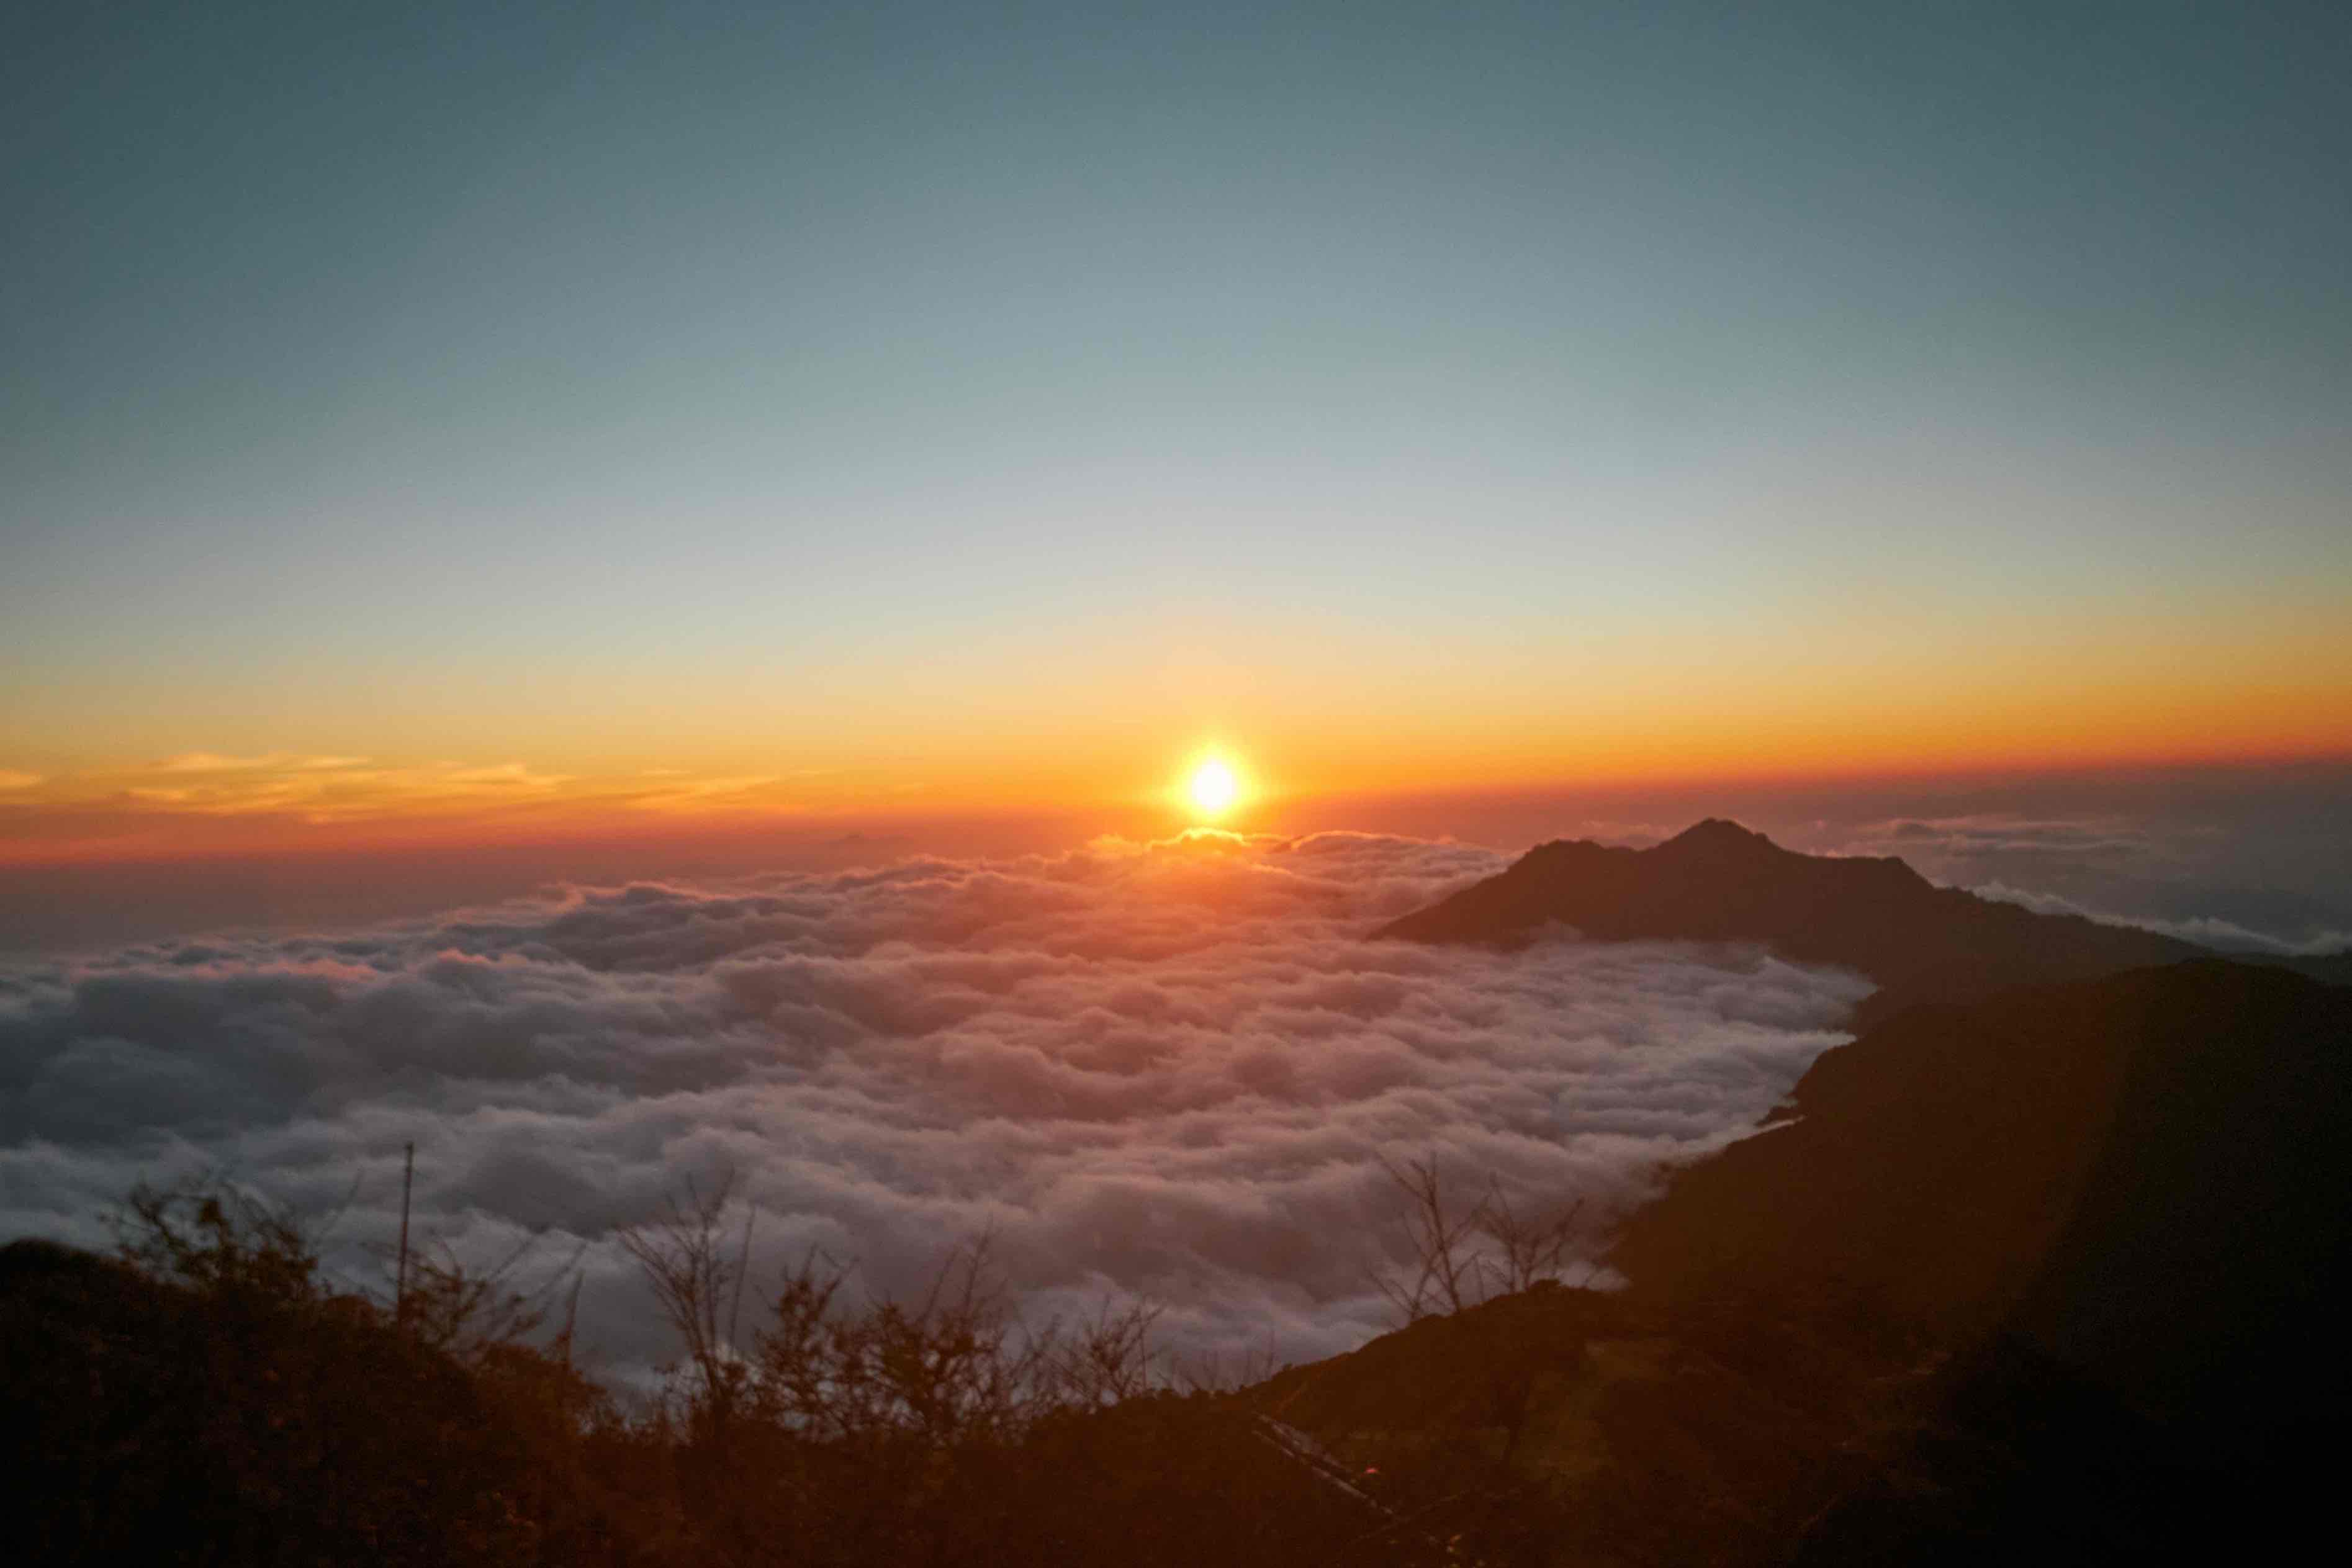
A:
(1168, 1069)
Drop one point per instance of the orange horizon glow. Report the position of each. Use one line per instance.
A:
(1315, 710)
(204, 806)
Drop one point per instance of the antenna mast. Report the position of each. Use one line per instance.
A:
(400, 1280)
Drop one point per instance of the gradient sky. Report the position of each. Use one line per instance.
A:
(471, 411)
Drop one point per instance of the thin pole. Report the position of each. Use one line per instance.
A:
(400, 1286)
(571, 1318)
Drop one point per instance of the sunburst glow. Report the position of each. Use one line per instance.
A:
(1214, 787)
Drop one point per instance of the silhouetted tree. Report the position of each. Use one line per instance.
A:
(1462, 1257)
(684, 1258)
(1444, 1274)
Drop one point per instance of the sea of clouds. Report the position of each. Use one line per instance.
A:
(1162, 1070)
(2269, 884)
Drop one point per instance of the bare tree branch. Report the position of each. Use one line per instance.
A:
(684, 1258)
(1448, 1273)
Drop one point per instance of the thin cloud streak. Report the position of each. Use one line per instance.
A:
(283, 800)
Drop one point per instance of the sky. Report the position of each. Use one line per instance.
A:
(441, 425)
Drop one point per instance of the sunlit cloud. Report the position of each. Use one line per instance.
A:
(311, 789)
(274, 762)
(15, 778)
(504, 775)
(700, 795)
(284, 798)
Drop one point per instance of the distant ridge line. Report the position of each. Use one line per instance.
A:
(1720, 881)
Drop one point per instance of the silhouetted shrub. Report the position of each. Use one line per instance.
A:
(207, 1401)
(210, 1396)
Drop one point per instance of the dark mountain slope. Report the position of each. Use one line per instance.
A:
(1564, 1426)
(1719, 882)
(1926, 1168)
(2144, 1175)
(2049, 1278)
(2122, 1207)
(2202, 1271)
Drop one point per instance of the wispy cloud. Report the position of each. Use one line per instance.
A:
(270, 762)
(695, 795)
(2210, 930)
(311, 791)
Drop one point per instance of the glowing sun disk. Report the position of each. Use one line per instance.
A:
(1213, 787)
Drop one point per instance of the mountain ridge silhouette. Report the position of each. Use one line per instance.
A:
(1718, 881)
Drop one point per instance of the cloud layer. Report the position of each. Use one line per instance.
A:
(1168, 1069)
(2220, 883)
(2207, 931)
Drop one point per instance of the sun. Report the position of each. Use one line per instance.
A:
(1214, 787)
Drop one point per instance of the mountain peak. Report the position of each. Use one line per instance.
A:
(1717, 881)
(1718, 834)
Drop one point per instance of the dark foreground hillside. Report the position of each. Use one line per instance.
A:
(2123, 1203)
(2133, 1172)
(2054, 1278)
(222, 1406)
